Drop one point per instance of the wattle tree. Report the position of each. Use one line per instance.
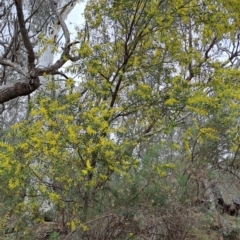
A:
(133, 138)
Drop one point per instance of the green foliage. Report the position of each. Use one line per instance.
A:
(154, 108)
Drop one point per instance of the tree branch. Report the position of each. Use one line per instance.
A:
(24, 88)
(16, 67)
(24, 33)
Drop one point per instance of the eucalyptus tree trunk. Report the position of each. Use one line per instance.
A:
(23, 21)
(53, 30)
